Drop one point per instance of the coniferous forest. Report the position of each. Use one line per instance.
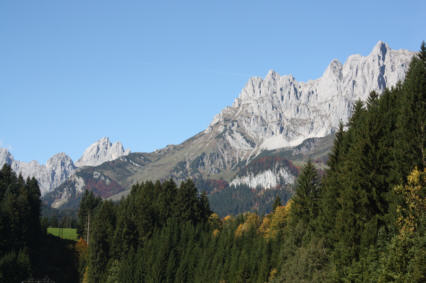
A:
(26, 251)
(361, 221)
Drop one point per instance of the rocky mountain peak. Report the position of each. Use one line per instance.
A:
(57, 169)
(5, 157)
(101, 151)
(278, 111)
(59, 159)
(271, 75)
(334, 70)
(380, 48)
(60, 166)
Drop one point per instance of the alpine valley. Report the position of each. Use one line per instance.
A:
(259, 143)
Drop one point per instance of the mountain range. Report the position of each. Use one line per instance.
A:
(61, 167)
(274, 125)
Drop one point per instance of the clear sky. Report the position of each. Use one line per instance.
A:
(152, 73)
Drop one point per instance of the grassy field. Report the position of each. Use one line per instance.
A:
(64, 233)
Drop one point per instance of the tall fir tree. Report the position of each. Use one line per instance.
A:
(411, 123)
(305, 207)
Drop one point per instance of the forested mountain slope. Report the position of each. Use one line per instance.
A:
(362, 221)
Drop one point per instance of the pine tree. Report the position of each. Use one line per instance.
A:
(277, 202)
(187, 204)
(88, 204)
(304, 209)
(330, 192)
(411, 122)
(100, 246)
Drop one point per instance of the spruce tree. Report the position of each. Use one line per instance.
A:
(100, 245)
(411, 122)
(304, 209)
(88, 204)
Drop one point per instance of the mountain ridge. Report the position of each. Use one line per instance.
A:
(60, 167)
(271, 114)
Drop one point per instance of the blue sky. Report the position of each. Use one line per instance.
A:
(152, 73)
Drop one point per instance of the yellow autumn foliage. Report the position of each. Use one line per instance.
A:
(266, 222)
(274, 222)
(251, 221)
(215, 233)
(288, 205)
(214, 221)
(86, 275)
(414, 204)
(227, 218)
(278, 221)
(273, 274)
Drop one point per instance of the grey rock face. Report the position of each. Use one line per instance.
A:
(60, 167)
(57, 169)
(278, 111)
(101, 151)
(267, 179)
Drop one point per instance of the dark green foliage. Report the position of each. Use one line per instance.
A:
(25, 249)
(238, 199)
(64, 218)
(20, 228)
(101, 240)
(88, 204)
(141, 232)
(15, 267)
(277, 202)
(210, 185)
(162, 234)
(305, 199)
(411, 121)
(20, 211)
(188, 206)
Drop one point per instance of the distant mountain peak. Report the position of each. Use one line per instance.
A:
(5, 157)
(60, 166)
(271, 74)
(334, 69)
(101, 151)
(57, 169)
(380, 48)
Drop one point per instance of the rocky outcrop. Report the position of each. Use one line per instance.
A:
(57, 169)
(101, 151)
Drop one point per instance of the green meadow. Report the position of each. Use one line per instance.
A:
(64, 233)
